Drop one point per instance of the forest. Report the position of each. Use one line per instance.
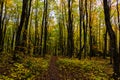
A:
(59, 39)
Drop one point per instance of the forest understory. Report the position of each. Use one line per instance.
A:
(55, 68)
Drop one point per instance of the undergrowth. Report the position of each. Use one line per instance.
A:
(29, 69)
(74, 69)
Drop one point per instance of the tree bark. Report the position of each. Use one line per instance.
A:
(25, 33)
(85, 29)
(80, 25)
(70, 43)
(45, 28)
(113, 44)
(90, 32)
(26, 7)
(1, 27)
(118, 14)
(105, 45)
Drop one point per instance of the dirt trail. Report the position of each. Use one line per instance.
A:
(53, 71)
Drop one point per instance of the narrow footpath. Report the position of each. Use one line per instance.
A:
(52, 70)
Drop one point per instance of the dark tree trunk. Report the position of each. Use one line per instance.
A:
(23, 24)
(25, 33)
(90, 32)
(118, 14)
(70, 43)
(105, 45)
(1, 25)
(85, 30)
(80, 25)
(19, 29)
(41, 35)
(45, 28)
(113, 44)
(30, 44)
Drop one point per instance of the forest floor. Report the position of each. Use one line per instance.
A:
(55, 68)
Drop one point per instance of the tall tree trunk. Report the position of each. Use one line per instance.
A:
(90, 32)
(23, 23)
(80, 25)
(41, 35)
(70, 43)
(65, 25)
(118, 14)
(19, 29)
(45, 28)
(60, 37)
(1, 27)
(105, 45)
(25, 33)
(4, 21)
(64, 29)
(30, 44)
(113, 44)
(99, 30)
(85, 29)
(36, 51)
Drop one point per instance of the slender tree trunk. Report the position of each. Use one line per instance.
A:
(113, 45)
(90, 32)
(1, 25)
(99, 46)
(85, 29)
(70, 43)
(41, 35)
(45, 28)
(60, 37)
(105, 45)
(36, 51)
(80, 25)
(63, 24)
(30, 44)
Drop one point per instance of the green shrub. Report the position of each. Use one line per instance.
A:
(19, 72)
(37, 66)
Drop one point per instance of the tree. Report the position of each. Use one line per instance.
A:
(45, 26)
(113, 45)
(90, 32)
(36, 50)
(105, 45)
(25, 32)
(80, 25)
(23, 24)
(118, 14)
(85, 28)
(70, 43)
(1, 25)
